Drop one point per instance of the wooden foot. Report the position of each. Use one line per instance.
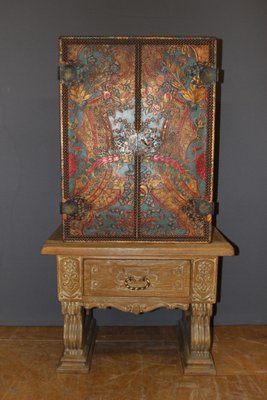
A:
(79, 338)
(194, 335)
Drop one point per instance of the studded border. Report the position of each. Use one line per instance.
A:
(64, 42)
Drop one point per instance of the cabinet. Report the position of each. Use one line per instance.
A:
(137, 164)
(137, 137)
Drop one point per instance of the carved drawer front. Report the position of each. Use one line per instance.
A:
(137, 278)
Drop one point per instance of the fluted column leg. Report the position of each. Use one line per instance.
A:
(200, 329)
(196, 340)
(78, 341)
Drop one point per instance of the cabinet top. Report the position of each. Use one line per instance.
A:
(219, 246)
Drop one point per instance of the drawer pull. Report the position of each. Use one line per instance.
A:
(140, 283)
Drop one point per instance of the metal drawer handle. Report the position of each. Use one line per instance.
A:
(140, 283)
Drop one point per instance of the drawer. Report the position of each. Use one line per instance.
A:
(137, 278)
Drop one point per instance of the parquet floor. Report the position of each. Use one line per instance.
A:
(132, 363)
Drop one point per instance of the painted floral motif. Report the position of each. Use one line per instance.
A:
(178, 173)
(171, 144)
(96, 172)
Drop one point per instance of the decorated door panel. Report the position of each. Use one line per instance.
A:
(137, 132)
(176, 179)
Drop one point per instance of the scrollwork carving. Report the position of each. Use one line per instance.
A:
(134, 307)
(200, 329)
(204, 280)
(73, 326)
(195, 339)
(78, 337)
(178, 282)
(69, 278)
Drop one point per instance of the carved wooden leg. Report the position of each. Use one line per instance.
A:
(196, 340)
(78, 338)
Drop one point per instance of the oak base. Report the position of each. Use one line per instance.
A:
(137, 277)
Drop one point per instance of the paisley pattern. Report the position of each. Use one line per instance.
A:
(176, 174)
(96, 172)
(146, 184)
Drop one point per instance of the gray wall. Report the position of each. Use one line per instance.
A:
(29, 148)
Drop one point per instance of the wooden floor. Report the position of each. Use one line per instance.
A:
(132, 364)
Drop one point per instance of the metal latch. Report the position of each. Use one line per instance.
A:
(68, 74)
(75, 207)
(203, 74)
